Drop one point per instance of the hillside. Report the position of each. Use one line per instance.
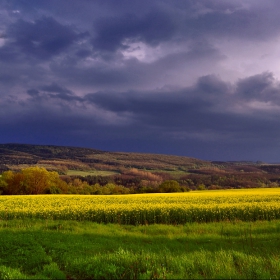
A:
(15, 156)
(135, 169)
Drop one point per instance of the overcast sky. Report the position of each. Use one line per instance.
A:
(194, 78)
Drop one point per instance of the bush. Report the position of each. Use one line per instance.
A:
(53, 190)
(169, 186)
(201, 187)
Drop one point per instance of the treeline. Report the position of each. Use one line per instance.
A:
(144, 181)
(230, 180)
(36, 180)
(32, 180)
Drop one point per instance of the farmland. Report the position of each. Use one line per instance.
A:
(200, 234)
(58, 249)
(90, 173)
(199, 206)
(138, 173)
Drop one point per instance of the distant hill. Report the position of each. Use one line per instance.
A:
(15, 156)
(133, 168)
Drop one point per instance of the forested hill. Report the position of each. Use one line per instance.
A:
(13, 155)
(20, 155)
(138, 169)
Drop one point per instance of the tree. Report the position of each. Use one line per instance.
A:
(169, 186)
(36, 179)
(11, 183)
(201, 187)
(3, 183)
(32, 180)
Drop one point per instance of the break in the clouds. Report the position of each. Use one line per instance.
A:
(194, 78)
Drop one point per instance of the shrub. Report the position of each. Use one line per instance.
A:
(169, 186)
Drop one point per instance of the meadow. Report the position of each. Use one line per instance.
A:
(232, 234)
(47, 249)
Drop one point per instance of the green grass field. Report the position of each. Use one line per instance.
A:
(45, 249)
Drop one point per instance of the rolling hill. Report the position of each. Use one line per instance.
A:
(16, 156)
(124, 166)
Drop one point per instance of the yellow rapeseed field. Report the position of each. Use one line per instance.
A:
(174, 208)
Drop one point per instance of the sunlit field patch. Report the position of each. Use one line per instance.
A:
(176, 208)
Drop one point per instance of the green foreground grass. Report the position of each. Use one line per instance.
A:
(48, 249)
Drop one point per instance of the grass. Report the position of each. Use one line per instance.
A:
(76, 248)
(47, 249)
(91, 173)
(176, 173)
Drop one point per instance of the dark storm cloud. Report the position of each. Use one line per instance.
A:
(152, 29)
(132, 73)
(197, 78)
(198, 114)
(56, 88)
(83, 53)
(53, 91)
(208, 104)
(33, 92)
(43, 38)
(262, 87)
(213, 86)
(247, 20)
(207, 19)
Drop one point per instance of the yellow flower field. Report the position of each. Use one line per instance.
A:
(175, 208)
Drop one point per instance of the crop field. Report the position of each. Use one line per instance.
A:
(176, 208)
(229, 234)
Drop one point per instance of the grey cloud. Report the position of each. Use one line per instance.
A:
(9, 54)
(53, 91)
(152, 29)
(172, 120)
(262, 87)
(190, 88)
(33, 92)
(122, 74)
(56, 88)
(103, 75)
(82, 53)
(202, 49)
(208, 19)
(43, 38)
(255, 20)
(206, 104)
(201, 54)
(212, 86)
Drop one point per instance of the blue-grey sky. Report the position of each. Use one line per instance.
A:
(198, 78)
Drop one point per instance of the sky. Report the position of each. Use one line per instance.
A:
(197, 78)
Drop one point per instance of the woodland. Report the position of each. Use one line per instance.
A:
(35, 169)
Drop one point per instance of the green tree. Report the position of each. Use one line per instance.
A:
(169, 186)
(201, 187)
